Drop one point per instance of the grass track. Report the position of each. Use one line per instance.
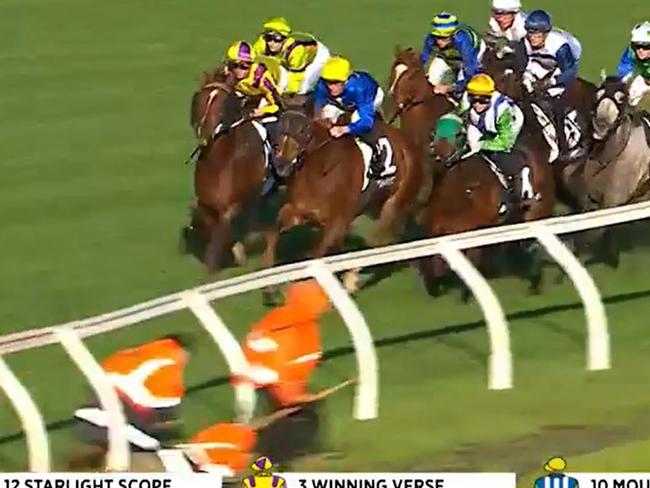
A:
(94, 130)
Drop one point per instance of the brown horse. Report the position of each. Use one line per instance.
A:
(506, 67)
(325, 181)
(229, 173)
(470, 196)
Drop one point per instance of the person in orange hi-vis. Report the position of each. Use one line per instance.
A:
(283, 349)
(149, 382)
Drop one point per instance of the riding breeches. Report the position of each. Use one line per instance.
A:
(510, 163)
(639, 89)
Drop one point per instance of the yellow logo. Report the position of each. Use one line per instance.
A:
(263, 477)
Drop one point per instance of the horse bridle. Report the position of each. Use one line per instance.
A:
(623, 112)
(411, 103)
(216, 87)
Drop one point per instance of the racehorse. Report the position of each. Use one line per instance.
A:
(229, 173)
(325, 179)
(505, 64)
(618, 170)
(473, 194)
(417, 107)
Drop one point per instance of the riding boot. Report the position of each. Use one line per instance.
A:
(378, 152)
(559, 114)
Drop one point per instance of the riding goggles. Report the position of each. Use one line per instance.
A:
(482, 99)
(239, 65)
(641, 45)
(274, 37)
(500, 11)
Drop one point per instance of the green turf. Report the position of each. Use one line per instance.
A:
(93, 135)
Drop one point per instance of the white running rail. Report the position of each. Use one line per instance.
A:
(366, 404)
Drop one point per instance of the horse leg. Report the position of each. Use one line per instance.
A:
(287, 218)
(474, 255)
(535, 271)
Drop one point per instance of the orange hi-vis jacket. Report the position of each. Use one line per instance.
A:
(233, 457)
(150, 375)
(284, 348)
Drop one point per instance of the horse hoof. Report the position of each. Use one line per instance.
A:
(239, 253)
(271, 296)
(351, 281)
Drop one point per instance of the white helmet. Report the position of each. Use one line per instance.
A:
(506, 5)
(641, 34)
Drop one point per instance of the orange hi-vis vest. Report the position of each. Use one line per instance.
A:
(150, 375)
(234, 456)
(284, 348)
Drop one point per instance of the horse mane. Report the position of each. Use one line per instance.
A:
(409, 56)
(218, 75)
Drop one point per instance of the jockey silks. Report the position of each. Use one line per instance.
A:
(561, 52)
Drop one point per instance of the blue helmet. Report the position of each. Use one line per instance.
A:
(538, 21)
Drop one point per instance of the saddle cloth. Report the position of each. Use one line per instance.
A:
(572, 132)
(390, 169)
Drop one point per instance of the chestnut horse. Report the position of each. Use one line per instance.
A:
(229, 173)
(417, 107)
(325, 177)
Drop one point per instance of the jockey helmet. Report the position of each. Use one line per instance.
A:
(444, 25)
(555, 465)
(240, 52)
(506, 6)
(641, 35)
(538, 21)
(336, 69)
(278, 25)
(481, 85)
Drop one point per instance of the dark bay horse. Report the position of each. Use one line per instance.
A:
(229, 173)
(470, 196)
(505, 65)
(325, 178)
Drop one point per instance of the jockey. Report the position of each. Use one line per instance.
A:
(263, 77)
(494, 123)
(507, 20)
(275, 37)
(341, 90)
(634, 66)
(455, 50)
(552, 59)
(303, 58)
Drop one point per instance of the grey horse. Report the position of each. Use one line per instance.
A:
(618, 172)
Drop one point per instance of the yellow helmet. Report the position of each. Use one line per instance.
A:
(240, 52)
(336, 69)
(555, 464)
(279, 25)
(481, 85)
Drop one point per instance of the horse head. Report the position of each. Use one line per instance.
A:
(208, 103)
(500, 61)
(408, 82)
(294, 135)
(612, 105)
(449, 139)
